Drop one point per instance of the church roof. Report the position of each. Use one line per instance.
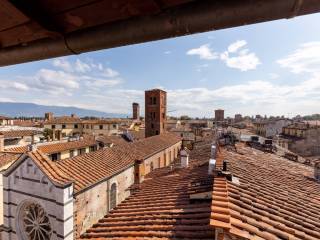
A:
(91, 168)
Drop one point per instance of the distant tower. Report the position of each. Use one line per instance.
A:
(155, 112)
(219, 115)
(135, 111)
(237, 118)
(48, 116)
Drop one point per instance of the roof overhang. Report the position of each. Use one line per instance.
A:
(36, 30)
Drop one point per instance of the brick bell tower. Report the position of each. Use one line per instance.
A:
(155, 112)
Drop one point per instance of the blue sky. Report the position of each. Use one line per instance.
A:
(269, 68)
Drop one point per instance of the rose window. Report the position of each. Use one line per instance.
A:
(34, 223)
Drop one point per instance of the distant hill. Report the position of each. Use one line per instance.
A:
(13, 109)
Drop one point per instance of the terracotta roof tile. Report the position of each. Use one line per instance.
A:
(63, 119)
(49, 168)
(57, 147)
(161, 207)
(274, 200)
(90, 168)
(7, 158)
(116, 140)
(19, 133)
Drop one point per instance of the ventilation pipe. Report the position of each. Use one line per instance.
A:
(184, 156)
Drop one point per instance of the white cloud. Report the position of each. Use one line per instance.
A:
(109, 73)
(82, 67)
(167, 52)
(234, 57)
(234, 47)
(54, 82)
(63, 64)
(204, 52)
(13, 85)
(305, 59)
(249, 98)
(99, 83)
(242, 59)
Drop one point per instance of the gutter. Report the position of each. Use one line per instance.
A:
(194, 17)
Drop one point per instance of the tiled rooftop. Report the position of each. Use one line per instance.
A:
(161, 208)
(19, 133)
(115, 140)
(63, 119)
(87, 169)
(276, 198)
(101, 121)
(57, 147)
(8, 158)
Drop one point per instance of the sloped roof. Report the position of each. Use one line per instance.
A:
(63, 119)
(57, 147)
(276, 198)
(147, 146)
(49, 168)
(161, 208)
(102, 121)
(116, 140)
(7, 158)
(90, 168)
(5, 117)
(19, 133)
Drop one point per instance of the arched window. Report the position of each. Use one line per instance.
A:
(113, 196)
(33, 222)
(151, 167)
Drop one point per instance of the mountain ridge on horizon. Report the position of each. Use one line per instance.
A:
(23, 109)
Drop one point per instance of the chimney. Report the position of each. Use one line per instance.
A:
(73, 115)
(138, 171)
(212, 166)
(1, 142)
(184, 158)
(225, 166)
(32, 147)
(48, 116)
(317, 170)
(213, 151)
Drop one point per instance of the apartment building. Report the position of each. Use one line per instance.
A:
(100, 127)
(64, 126)
(270, 127)
(301, 138)
(68, 126)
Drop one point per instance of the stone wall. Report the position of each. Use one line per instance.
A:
(163, 158)
(93, 204)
